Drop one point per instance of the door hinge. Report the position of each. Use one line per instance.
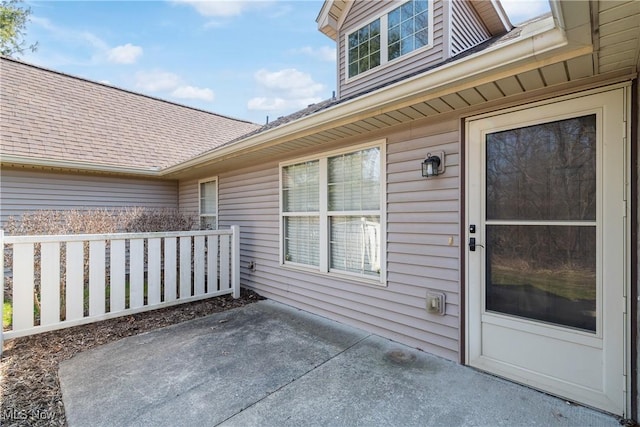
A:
(624, 305)
(624, 383)
(624, 209)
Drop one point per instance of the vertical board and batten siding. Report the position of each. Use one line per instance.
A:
(422, 216)
(29, 190)
(362, 12)
(467, 29)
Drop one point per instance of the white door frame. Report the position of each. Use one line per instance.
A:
(473, 262)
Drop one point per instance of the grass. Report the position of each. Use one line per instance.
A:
(7, 315)
(7, 312)
(572, 284)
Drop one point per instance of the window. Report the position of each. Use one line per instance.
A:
(364, 48)
(332, 213)
(408, 28)
(402, 30)
(208, 190)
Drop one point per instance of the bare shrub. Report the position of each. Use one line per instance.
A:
(99, 221)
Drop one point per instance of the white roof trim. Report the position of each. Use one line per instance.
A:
(77, 165)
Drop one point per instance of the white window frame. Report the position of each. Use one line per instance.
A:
(325, 215)
(213, 179)
(384, 41)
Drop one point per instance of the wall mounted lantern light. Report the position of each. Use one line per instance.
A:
(433, 165)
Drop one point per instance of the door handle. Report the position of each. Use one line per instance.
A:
(473, 244)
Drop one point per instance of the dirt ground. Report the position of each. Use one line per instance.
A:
(29, 385)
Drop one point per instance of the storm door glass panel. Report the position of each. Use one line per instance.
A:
(541, 222)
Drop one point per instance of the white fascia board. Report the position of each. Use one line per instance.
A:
(504, 18)
(326, 24)
(545, 46)
(574, 17)
(77, 165)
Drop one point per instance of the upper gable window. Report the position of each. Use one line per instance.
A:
(364, 48)
(408, 28)
(402, 30)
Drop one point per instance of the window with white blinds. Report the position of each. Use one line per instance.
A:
(301, 212)
(331, 212)
(208, 191)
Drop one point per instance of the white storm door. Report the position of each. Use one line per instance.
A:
(546, 278)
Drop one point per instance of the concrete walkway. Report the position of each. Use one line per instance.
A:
(267, 364)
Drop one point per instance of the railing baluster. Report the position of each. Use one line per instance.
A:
(234, 252)
(136, 273)
(23, 281)
(75, 281)
(199, 258)
(170, 269)
(97, 271)
(212, 261)
(185, 267)
(49, 283)
(153, 271)
(117, 288)
(224, 263)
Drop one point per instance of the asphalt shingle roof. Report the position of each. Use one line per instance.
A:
(46, 114)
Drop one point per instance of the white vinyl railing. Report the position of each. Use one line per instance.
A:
(56, 282)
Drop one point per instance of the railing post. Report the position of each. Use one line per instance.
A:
(235, 260)
(2, 306)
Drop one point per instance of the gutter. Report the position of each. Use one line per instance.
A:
(544, 43)
(78, 165)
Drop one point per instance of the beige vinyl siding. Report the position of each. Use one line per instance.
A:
(188, 202)
(250, 199)
(619, 35)
(422, 215)
(467, 29)
(29, 190)
(360, 13)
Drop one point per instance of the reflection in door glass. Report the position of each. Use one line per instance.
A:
(545, 273)
(543, 172)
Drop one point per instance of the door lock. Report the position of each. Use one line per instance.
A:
(473, 244)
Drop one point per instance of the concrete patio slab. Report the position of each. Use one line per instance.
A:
(267, 364)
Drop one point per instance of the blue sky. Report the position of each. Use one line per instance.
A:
(244, 59)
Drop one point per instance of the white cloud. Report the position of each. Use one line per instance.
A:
(323, 53)
(284, 90)
(88, 45)
(266, 104)
(172, 85)
(192, 92)
(157, 81)
(125, 54)
(224, 8)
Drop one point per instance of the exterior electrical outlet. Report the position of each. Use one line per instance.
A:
(435, 303)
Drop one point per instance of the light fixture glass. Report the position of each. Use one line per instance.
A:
(430, 166)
